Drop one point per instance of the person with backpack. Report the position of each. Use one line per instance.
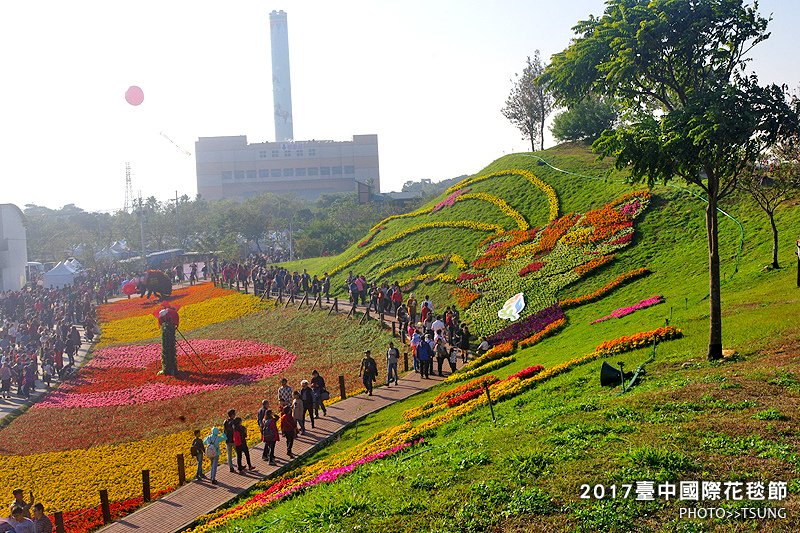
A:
(441, 354)
(240, 441)
(227, 427)
(212, 450)
(289, 429)
(197, 450)
(269, 431)
(425, 356)
(368, 371)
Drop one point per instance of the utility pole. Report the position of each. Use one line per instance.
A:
(177, 220)
(141, 228)
(291, 243)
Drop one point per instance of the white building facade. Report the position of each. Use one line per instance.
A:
(13, 248)
(230, 168)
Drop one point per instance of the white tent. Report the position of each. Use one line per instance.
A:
(60, 276)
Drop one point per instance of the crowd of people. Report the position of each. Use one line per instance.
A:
(39, 338)
(288, 419)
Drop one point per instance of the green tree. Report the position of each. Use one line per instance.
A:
(585, 120)
(530, 102)
(678, 67)
(773, 180)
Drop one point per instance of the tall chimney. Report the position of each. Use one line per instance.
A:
(281, 84)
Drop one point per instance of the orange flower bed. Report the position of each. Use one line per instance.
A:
(599, 293)
(464, 297)
(137, 306)
(555, 231)
(593, 264)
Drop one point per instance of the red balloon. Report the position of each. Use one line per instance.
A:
(129, 288)
(134, 95)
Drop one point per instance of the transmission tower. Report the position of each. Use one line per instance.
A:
(128, 188)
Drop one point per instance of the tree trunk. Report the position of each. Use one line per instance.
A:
(774, 239)
(715, 329)
(169, 356)
(541, 132)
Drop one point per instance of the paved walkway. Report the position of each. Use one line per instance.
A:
(181, 507)
(12, 405)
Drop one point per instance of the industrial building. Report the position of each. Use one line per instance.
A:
(230, 168)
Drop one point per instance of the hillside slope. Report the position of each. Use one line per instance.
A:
(733, 421)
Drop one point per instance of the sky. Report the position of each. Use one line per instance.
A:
(429, 78)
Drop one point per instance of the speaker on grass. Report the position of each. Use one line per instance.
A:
(610, 376)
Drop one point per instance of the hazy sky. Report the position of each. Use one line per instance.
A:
(428, 77)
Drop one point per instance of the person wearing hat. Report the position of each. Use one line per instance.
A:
(412, 308)
(368, 371)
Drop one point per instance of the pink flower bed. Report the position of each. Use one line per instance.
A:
(128, 375)
(450, 200)
(622, 311)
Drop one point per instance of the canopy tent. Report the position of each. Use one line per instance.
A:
(60, 276)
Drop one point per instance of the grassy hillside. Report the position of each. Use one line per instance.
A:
(687, 419)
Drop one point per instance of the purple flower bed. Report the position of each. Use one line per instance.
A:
(522, 329)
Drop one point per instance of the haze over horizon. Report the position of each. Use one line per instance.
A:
(428, 78)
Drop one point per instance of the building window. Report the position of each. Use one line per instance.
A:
(287, 153)
(299, 172)
(238, 174)
(275, 153)
(313, 171)
(325, 171)
(337, 171)
(262, 153)
(312, 151)
(263, 173)
(252, 174)
(227, 175)
(349, 169)
(276, 173)
(288, 172)
(299, 153)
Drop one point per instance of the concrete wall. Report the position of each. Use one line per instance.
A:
(13, 248)
(230, 168)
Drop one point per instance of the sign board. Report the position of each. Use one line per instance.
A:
(512, 308)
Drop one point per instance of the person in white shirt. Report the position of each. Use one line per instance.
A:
(438, 327)
(19, 522)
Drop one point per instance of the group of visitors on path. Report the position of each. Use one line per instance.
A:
(289, 420)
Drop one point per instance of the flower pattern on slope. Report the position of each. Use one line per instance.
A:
(127, 375)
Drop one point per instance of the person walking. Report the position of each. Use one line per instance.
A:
(463, 342)
(197, 450)
(240, 441)
(441, 354)
(228, 427)
(425, 356)
(307, 397)
(392, 357)
(269, 430)
(298, 411)
(212, 442)
(320, 393)
(368, 371)
(289, 429)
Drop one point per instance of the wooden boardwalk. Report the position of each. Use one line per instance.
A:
(181, 507)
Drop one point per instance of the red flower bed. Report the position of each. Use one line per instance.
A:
(85, 520)
(531, 268)
(528, 372)
(465, 277)
(467, 396)
(137, 306)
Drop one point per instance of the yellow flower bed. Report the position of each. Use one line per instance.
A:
(192, 316)
(552, 197)
(458, 261)
(479, 226)
(522, 224)
(412, 262)
(70, 480)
